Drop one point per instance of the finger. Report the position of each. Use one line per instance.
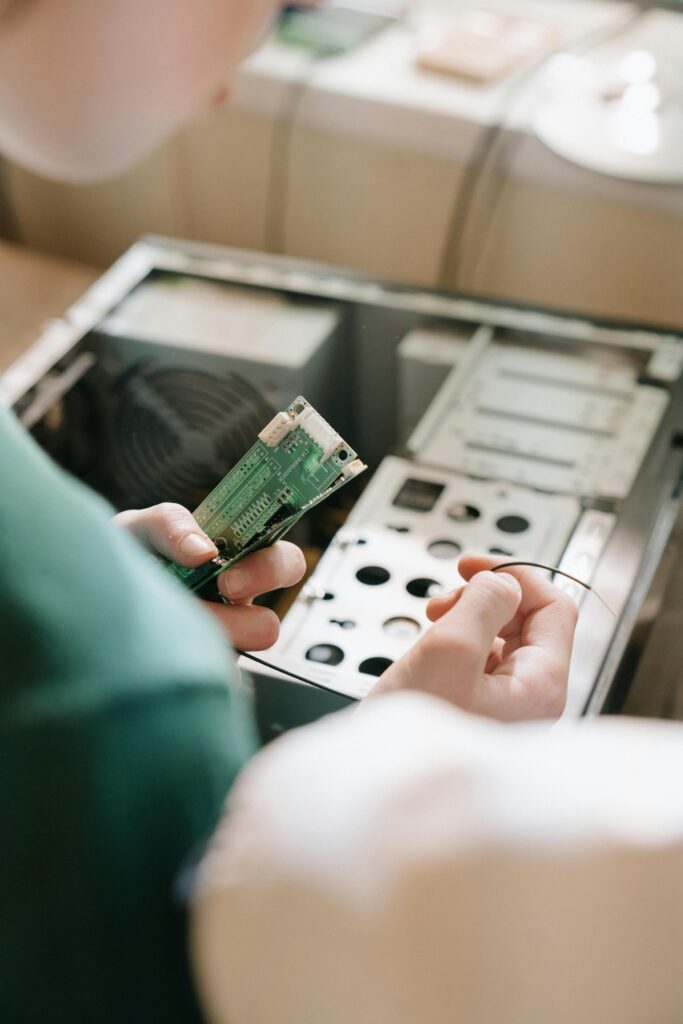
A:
(550, 627)
(546, 615)
(496, 656)
(546, 620)
(438, 606)
(170, 530)
(468, 631)
(449, 660)
(248, 627)
(281, 565)
(537, 590)
(536, 587)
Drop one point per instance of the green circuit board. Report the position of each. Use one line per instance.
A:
(297, 462)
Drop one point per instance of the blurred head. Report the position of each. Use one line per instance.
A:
(87, 86)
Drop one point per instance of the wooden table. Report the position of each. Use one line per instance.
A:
(34, 287)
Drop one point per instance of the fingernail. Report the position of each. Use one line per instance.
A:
(234, 583)
(195, 544)
(510, 581)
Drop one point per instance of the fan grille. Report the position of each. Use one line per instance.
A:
(176, 432)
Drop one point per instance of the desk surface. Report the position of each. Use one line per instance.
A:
(34, 287)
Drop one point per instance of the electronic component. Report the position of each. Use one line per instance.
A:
(297, 462)
(173, 431)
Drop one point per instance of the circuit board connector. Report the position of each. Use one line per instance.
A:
(297, 461)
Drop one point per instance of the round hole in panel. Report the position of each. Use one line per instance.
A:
(424, 587)
(373, 575)
(342, 455)
(328, 596)
(375, 666)
(463, 513)
(444, 549)
(402, 628)
(513, 524)
(325, 654)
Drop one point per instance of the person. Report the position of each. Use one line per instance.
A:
(121, 727)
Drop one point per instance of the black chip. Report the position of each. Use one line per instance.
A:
(419, 495)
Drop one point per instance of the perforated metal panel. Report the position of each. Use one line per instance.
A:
(365, 604)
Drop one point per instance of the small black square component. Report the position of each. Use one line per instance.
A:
(418, 495)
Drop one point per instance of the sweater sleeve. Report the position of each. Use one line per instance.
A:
(120, 735)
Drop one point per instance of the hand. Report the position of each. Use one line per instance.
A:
(501, 645)
(171, 530)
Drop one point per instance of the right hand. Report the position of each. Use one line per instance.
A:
(501, 645)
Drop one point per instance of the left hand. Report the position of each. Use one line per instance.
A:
(171, 530)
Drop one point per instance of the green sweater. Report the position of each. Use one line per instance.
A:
(119, 739)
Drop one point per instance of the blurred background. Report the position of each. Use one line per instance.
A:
(524, 149)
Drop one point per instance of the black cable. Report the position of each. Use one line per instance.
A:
(453, 259)
(556, 572)
(292, 675)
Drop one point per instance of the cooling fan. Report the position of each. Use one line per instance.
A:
(174, 432)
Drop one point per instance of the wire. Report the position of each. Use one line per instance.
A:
(453, 258)
(557, 572)
(292, 675)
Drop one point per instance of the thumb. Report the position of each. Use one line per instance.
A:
(484, 607)
(170, 530)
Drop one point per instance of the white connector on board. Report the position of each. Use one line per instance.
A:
(278, 428)
(316, 427)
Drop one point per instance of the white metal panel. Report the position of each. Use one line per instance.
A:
(562, 423)
(382, 620)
